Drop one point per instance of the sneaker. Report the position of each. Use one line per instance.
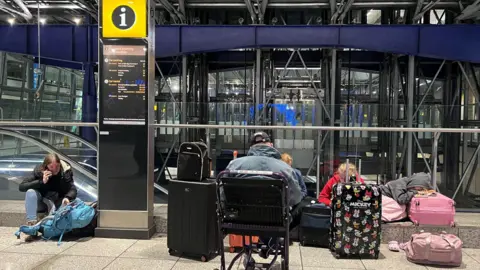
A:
(31, 238)
(248, 265)
(264, 252)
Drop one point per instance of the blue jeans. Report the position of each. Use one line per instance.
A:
(35, 201)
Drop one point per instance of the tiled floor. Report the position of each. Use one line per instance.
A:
(99, 253)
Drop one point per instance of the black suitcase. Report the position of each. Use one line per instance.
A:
(356, 220)
(193, 163)
(192, 219)
(314, 229)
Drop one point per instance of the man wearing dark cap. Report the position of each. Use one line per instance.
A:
(262, 156)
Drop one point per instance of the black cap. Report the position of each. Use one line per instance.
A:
(259, 137)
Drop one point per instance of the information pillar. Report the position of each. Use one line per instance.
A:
(126, 80)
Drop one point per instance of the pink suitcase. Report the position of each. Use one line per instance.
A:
(435, 209)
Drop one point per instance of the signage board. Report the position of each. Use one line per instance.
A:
(124, 76)
(124, 18)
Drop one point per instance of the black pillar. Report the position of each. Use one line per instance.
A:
(126, 99)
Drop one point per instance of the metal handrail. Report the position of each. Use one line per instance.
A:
(53, 130)
(48, 148)
(1, 120)
(191, 126)
(321, 128)
(47, 124)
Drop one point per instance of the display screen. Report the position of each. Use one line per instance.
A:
(124, 83)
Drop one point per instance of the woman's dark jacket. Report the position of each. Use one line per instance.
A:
(57, 188)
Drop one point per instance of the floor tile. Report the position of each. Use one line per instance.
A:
(195, 265)
(391, 260)
(7, 231)
(100, 247)
(18, 261)
(75, 263)
(8, 240)
(473, 253)
(155, 248)
(468, 263)
(140, 264)
(39, 247)
(323, 258)
(316, 268)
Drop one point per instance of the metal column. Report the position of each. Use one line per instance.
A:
(258, 86)
(333, 86)
(410, 92)
(183, 89)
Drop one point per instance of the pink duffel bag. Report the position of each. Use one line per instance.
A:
(434, 249)
(391, 210)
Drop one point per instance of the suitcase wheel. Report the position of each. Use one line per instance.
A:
(416, 223)
(231, 249)
(375, 256)
(171, 251)
(453, 224)
(204, 258)
(337, 256)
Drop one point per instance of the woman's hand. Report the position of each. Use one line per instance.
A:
(65, 201)
(46, 176)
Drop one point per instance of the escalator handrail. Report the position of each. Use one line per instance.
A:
(61, 132)
(49, 148)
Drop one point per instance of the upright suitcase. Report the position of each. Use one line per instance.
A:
(193, 163)
(356, 220)
(315, 225)
(192, 219)
(435, 209)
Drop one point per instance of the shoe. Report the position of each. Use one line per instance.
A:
(264, 252)
(31, 238)
(248, 265)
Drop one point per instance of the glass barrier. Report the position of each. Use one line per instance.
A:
(318, 154)
(20, 154)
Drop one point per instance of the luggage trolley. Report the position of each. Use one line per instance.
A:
(253, 203)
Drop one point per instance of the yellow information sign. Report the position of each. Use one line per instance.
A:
(124, 18)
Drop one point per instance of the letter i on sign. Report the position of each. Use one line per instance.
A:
(123, 17)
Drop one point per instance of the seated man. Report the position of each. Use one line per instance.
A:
(51, 183)
(263, 157)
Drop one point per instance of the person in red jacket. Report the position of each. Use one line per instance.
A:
(325, 196)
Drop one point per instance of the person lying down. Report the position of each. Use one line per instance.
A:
(404, 189)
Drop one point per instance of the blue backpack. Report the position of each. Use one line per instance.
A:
(74, 215)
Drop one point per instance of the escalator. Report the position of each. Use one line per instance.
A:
(14, 166)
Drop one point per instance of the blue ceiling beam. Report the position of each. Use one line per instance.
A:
(80, 43)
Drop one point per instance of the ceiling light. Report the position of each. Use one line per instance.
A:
(43, 20)
(77, 20)
(11, 21)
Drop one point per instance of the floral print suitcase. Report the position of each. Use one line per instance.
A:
(356, 220)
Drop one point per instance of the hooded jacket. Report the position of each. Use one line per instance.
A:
(57, 188)
(262, 157)
(402, 190)
(325, 196)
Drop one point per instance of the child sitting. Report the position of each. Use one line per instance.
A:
(325, 196)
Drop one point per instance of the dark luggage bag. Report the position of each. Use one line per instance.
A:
(314, 229)
(192, 219)
(193, 163)
(356, 220)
